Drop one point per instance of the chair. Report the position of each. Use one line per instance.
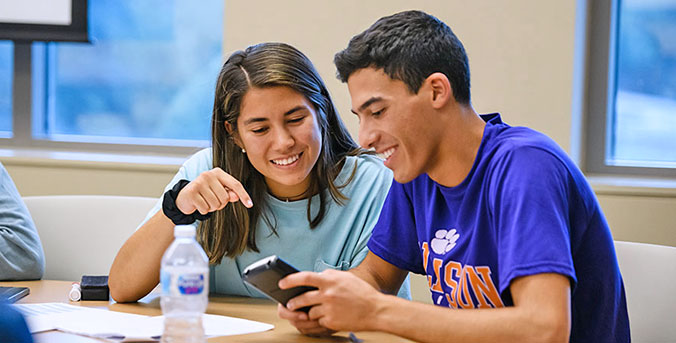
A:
(81, 234)
(420, 289)
(649, 274)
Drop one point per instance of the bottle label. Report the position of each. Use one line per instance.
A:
(190, 283)
(183, 283)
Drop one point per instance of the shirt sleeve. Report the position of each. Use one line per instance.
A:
(528, 196)
(13, 326)
(380, 183)
(21, 254)
(395, 238)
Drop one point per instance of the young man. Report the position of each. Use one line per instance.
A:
(500, 220)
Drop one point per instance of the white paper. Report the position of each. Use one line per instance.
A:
(122, 326)
(225, 326)
(110, 325)
(43, 317)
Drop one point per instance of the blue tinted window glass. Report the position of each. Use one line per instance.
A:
(6, 72)
(149, 72)
(644, 124)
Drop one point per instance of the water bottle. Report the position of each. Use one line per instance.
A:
(184, 277)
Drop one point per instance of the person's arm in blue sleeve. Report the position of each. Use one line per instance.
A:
(21, 255)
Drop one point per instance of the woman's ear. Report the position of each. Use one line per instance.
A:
(441, 90)
(228, 128)
(233, 134)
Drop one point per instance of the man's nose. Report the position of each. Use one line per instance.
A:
(367, 136)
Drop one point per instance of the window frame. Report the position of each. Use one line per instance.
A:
(600, 95)
(25, 96)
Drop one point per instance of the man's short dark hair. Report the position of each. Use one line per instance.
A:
(409, 46)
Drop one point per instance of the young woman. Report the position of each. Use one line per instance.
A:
(283, 177)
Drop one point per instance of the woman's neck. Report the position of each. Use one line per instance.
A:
(290, 193)
(297, 197)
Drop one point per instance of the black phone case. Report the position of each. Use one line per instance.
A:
(265, 278)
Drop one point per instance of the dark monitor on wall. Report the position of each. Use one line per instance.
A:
(43, 20)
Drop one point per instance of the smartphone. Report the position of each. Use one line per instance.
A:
(13, 294)
(264, 275)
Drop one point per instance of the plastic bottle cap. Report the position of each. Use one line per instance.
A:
(184, 231)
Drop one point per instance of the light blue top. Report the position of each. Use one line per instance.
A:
(338, 242)
(21, 255)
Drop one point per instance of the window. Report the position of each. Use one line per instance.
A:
(146, 79)
(631, 103)
(6, 65)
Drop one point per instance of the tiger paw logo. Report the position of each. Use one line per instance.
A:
(444, 241)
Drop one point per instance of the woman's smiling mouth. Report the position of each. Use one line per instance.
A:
(287, 161)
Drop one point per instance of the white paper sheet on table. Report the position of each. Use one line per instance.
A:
(122, 326)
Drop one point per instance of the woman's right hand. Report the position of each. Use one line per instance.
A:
(212, 190)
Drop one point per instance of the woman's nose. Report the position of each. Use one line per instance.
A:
(284, 139)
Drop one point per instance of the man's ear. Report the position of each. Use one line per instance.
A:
(233, 134)
(441, 90)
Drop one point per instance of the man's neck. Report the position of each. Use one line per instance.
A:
(458, 149)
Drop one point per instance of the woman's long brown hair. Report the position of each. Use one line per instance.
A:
(232, 230)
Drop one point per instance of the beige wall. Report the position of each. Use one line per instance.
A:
(522, 60)
(520, 52)
(34, 178)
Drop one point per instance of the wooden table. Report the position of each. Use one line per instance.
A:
(262, 310)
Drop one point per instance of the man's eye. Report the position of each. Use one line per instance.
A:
(377, 113)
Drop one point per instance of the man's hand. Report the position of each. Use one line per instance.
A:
(342, 302)
(301, 321)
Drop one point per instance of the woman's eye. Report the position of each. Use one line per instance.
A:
(261, 130)
(296, 120)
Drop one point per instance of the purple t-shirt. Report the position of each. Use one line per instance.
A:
(524, 209)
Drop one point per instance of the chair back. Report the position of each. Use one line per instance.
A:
(649, 274)
(81, 234)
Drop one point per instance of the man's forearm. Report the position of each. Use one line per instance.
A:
(382, 276)
(541, 313)
(362, 272)
(428, 323)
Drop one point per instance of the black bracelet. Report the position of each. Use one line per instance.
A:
(172, 212)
